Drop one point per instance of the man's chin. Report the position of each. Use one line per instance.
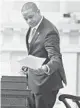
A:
(32, 25)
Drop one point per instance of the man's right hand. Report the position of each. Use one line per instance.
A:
(24, 70)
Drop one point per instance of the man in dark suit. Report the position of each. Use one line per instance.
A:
(42, 40)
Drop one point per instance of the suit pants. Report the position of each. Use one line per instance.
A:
(44, 100)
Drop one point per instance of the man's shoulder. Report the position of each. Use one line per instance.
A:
(49, 25)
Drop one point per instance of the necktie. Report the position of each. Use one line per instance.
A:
(32, 34)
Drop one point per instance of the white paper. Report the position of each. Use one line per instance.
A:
(32, 62)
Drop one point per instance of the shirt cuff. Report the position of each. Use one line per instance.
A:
(48, 70)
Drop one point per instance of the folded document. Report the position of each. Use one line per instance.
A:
(32, 62)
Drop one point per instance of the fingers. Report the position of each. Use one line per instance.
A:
(24, 68)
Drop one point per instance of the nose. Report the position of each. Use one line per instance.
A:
(28, 20)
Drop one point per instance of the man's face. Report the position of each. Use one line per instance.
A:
(31, 17)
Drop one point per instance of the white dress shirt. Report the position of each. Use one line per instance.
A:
(33, 30)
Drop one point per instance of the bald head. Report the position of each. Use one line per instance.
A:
(31, 13)
(29, 6)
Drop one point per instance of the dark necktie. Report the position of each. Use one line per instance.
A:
(32, 34)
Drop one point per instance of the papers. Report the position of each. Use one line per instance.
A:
(32, 62)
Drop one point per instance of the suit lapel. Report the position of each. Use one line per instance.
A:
(36, 35)
(27, 37)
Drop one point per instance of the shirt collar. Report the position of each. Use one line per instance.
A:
(38, 23)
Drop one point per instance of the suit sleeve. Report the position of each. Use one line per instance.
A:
(53, 50)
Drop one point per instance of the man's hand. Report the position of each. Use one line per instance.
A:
(24, 70)
(46, 69)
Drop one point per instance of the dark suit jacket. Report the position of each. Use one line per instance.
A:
(46, 44)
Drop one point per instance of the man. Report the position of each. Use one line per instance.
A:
(42, 40)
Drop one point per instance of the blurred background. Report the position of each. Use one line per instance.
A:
(65, 15)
